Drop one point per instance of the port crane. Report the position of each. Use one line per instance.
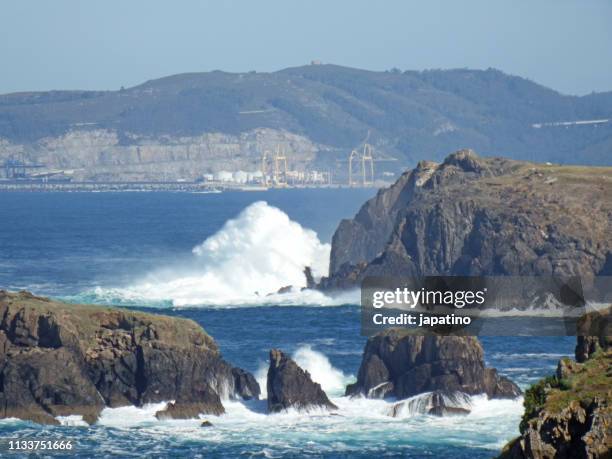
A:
(17, 169)
(274, 165)
(366, 161)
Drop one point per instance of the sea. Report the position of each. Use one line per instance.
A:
(219, 259)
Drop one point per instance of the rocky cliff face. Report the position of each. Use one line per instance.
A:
(399, 364)
(568, 415)
(480, 216)
(58, 359)
(600, 322)
(106, 155)
(289, 386)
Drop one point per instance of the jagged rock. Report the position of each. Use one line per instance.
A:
(437, 403)
(310, 282)
(599, 323)
(245, 384)
(479, 216)
(374, 379)
(568, 416)
(585, 347)
(406, 365)
(59, 359)
(578, 431)
(289, 386)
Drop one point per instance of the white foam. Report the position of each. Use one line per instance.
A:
(332, 380)
(129, 416)
(72, 420)
(490, 424)
(245, 263)
(261, 375)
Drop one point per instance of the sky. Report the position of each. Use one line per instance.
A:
(106, 44)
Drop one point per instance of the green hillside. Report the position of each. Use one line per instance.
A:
(409, 115)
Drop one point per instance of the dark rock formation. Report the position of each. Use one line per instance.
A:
(245, 384)
(310, 282)
(189, 410)
(599, 322)
(586, 346)
(569, 415)
(578, 431)
(291, 387)
(62, 359)
(397, 363)
(480, 216)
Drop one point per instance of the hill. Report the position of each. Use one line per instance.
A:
(210, 121)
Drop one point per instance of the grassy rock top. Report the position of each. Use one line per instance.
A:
(472, 215)
(26, 316)
(568, 415)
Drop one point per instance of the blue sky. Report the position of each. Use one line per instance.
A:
(86, 44)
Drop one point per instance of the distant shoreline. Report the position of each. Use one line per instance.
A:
(188, 187)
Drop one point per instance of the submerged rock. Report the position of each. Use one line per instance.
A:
(190, 410)
(289, 386)
(397, 363)
(60, 359)
(437, 403)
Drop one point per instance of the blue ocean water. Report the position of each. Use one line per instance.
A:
(136, 249)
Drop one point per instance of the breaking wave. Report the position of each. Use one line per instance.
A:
(246, 262)
(332, 380)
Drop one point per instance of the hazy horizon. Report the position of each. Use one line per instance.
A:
(67, 44)
(286, 68)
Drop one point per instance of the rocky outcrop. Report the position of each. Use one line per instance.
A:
(586, 346)
(59, 359)
(568, 415)
(245, 384)
(402, 365)
(289, 386)
(578, 431)
(480, 216)
(598, 322)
